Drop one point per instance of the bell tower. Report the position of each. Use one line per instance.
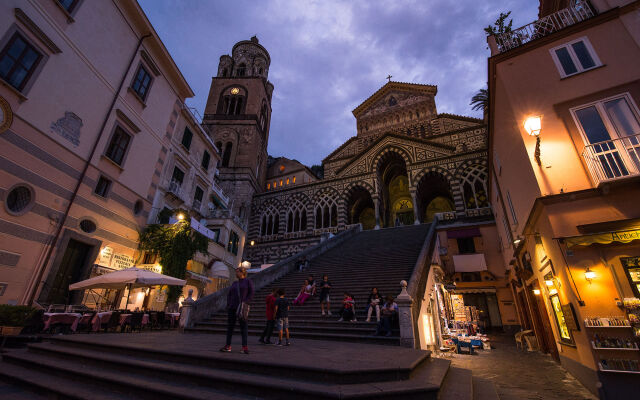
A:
(237, 116)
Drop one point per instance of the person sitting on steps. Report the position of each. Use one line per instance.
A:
(325, 287)
(374, 303)
(347, 313)
(305, 293)
(312, 282)
(389, 310)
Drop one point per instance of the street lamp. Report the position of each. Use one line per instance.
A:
(536, 292)
(245, 264)
(589, 275)
(180, 216)
(533, 126)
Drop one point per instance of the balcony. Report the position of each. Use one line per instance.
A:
(226, 214)
(613, 159)
(174, 188)
(219, 195)
(197, 205)
(579, 11)
(469, 262)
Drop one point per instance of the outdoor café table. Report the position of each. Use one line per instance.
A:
(99, 319)
(175, 317)
(126, 319)
(61, 318)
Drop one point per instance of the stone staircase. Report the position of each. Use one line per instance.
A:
(375, 258)
(172, 365)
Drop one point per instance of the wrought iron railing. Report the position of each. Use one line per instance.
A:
(222, 214)
(579, 10)
(613, 159)
(175, 188)
(220, 194)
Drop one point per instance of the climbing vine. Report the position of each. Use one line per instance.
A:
(175, 244)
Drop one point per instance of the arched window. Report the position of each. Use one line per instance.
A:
(219, 146)
(297, 218)
(227, 154)
(260, 71)
(326, 213)
(242, 69)
(270, 222)
(233, 105)
(263, 117)
(474, 187)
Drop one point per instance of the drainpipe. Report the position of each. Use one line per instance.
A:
(56, 237)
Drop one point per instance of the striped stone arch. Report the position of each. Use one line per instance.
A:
(468, 172)
(344, 199)
(294, 198)
(390, 149)
(454, 184)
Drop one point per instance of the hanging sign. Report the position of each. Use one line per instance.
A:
(122, 261)
(604, 238)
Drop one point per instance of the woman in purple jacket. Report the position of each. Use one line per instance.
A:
(240, 291)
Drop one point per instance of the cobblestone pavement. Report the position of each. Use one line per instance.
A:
(520, 375)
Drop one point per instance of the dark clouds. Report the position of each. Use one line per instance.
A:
(329, 56)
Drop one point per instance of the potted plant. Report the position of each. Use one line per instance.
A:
(13, 318)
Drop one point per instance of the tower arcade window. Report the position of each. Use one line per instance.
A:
(242, 70)
(18, 61)
(297, 218)
(227, 154)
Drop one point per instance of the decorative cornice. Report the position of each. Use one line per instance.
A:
(36, 31)
(149, 61)
(122, 116)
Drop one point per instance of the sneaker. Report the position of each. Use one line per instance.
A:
(287, 343)
(245, 350)
(340, 320)
(329, 312)
(368, 320)
(226, 349)
(279, 343)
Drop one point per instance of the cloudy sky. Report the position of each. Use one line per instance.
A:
(328, 56)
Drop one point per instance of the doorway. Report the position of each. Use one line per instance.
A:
(72, 268)
(541, 324)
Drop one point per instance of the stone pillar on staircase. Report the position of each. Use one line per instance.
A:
(416, 212)
(185, 314)
(405, 317)
(376, 204)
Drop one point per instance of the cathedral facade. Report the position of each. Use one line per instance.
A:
(406, 163)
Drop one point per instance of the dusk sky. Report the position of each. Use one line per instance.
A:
(328, 56)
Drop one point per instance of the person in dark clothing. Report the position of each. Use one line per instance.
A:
(389, 311)
(325, 288)
(270, 302)
(347, 313)
(282, 316)
(241, 291)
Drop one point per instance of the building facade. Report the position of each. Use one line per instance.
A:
(96, 141)
(564, 126)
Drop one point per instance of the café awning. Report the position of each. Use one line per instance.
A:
(623, 236)
(132, 277)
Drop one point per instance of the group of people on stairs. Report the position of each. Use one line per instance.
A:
(241, 294)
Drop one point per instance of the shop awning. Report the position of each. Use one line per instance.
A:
(474, 290)
(197, 277)
(623, 236)
(463, 233)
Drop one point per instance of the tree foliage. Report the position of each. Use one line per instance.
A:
(480, 101)
(175, 244)
(500, 26)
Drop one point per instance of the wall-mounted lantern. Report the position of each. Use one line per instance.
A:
(533, 126)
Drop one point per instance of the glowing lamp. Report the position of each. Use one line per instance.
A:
(245, 264)
(180, 216)
(253, 242)
(549, 282)
(553, 291)
(517, 241)
(533, 125)
(589, 274)
(536, 292)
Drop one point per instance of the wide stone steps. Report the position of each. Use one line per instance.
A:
(379, 259)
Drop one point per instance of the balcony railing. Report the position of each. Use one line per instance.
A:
(174, 188)
(613, 159)
(578, 11)
(217, 191)
(197, 204)
(226, 214)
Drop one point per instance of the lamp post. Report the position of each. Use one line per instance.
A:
(589, 275)
(533, 126)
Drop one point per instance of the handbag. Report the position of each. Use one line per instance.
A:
(243, 308)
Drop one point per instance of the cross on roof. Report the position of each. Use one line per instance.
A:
(389, 78)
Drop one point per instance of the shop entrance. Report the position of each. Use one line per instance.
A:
(541, 324)
(487, 306)
(71, 269)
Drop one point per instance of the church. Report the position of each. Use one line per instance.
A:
(405, 164)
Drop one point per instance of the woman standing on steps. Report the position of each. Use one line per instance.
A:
(239, 296)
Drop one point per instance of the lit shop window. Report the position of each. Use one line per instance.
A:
(565, 335)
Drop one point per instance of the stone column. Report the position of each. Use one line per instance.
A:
(185, 314)
(376, 204)
(416, 212)
(405, 317)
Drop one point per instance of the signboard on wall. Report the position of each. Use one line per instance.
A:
(570, 317)
(122, 261)
(104, 258)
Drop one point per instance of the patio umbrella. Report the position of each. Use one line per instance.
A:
(130, 277)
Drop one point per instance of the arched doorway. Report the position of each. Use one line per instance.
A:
(360, 208)
(433, 196)
(395, 203)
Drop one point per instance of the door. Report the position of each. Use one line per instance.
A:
(541, 324)
(494, 310)
(71, 270)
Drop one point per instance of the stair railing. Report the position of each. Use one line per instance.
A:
(417, 287)
(207, 305)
